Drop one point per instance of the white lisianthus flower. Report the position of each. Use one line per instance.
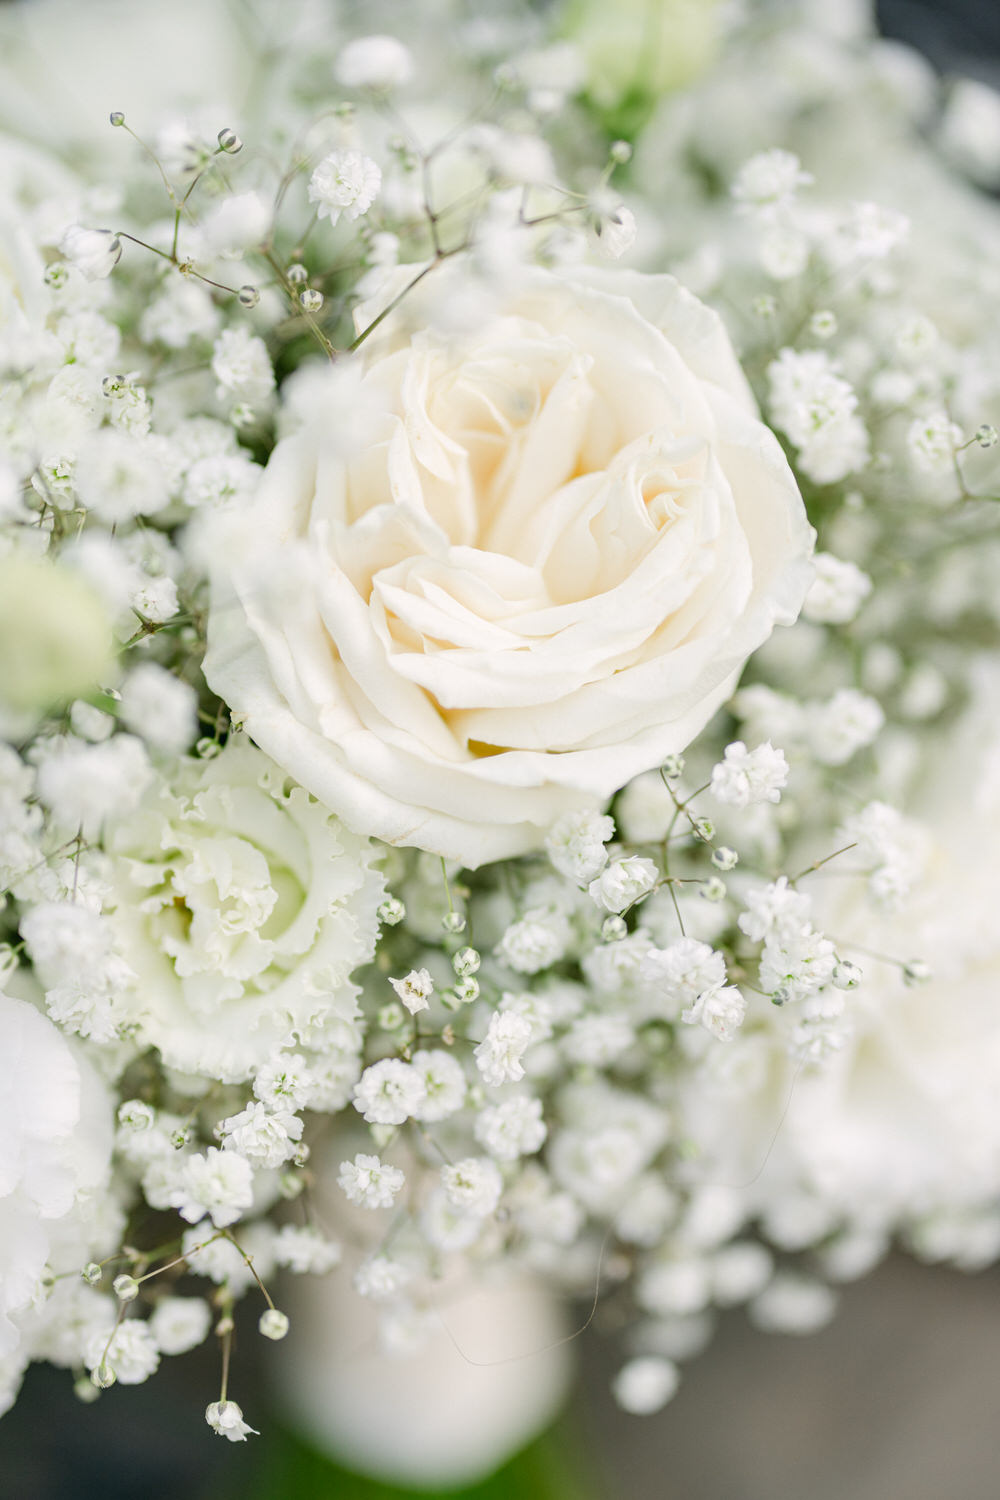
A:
(242, 908)
(542, 581)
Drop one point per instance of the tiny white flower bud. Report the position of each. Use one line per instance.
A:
(713, 889)
(704, 829)
(297, 273)
(467, 990)
(916, 971)
(116, 117)
(92, 1273)
(620, 152)
(229, 141)
(465, 962)
(391, 1016)
(673, 767)
(391, 912)
(126, 1288)
(273, 1324)
(249, 296)
(85, 1390)
(725, 858)
(987, 435)
(311, 299)
(453, 921)
(613, 929)
(103, 1376)
(846, 976)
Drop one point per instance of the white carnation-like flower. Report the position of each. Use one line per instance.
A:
(542, 580)
(243, 908)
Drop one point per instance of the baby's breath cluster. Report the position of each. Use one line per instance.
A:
(719, 1038)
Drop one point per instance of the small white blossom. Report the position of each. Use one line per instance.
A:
(265, 1137)
(512, 1129)
(576, 844)
(305, 1251)
(498, 1056)
(473, 1185)
(645, 1384)
(226, 1419)
(160, 708)
(837, 592)
(131, 1357)
(623, 882)
(536, 941)
(218, 1183)
(777, 908)
(721, 1011)
(180, 1323)
(415, 990)
(94, 252)
(747, 776)
(932, 440)
(848, 722)
(374, 62)
(389, 1092)
(444, 1085)
(345, 182)
(242, 367)
(369, 1182)
(769, 181)
(380, 1278)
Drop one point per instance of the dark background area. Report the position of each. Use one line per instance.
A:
(898, 1400)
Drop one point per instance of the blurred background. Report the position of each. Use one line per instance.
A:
(896, 1400)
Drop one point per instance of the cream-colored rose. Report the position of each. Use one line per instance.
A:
(542, 578)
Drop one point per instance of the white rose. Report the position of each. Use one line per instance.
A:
(242, 908)
(542, 580)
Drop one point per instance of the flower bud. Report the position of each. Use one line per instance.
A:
(725, 858)
(248, 296)
(229, 141)
(391, 912)
(297, 273)
(466, 961)
(126, 1288)
(116, 117)
(273, 1324)
(311, 299)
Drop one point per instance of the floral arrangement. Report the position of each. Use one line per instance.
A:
(499, 746)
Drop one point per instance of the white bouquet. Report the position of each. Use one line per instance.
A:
(426, 849)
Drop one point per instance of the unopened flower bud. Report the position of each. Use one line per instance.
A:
(126, 1288)
(725, 858)
(297, 273)
(92, 1273)
(391, 912)
(391, 1016)
(713, 889)
(103, 1377)
(229, 141)
(467, 990)
(290, 1184)
(248, 296)
(453, 921)
(673, 767)
(311, 299)
(620, 152)
(987, 435)
(613, 929)
(273, 1324)
(915, 971)
(85, 1390)
(846, 976)
(116, 117)
(56, 275)
(466, 961)
(703, 828)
